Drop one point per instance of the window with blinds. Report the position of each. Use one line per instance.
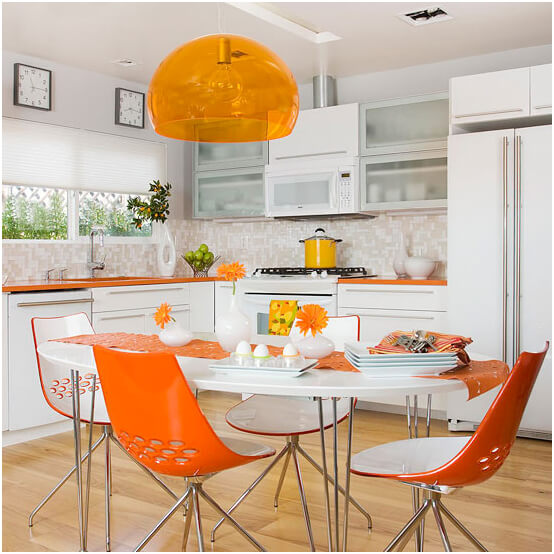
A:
(58, 181)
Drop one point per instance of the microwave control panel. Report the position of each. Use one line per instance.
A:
(348, 193)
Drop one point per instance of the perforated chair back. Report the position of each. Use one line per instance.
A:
(55, 379)
(490, 445)
(340, 329)
(156, 417)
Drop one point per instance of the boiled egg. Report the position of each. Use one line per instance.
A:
(261, 351)
(243, 348)
(290, 351)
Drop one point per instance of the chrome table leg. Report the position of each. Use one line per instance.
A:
(251, 488)
(323, 472)
(77, 436)
(347, 478)
(302, 494)
(336, 471)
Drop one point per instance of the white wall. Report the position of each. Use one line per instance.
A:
(86, 100)
(422, 79)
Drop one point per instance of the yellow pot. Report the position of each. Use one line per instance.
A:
(320, 251)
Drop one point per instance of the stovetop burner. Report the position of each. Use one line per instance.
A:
(293, 271)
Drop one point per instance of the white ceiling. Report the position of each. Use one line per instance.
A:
(90, 35)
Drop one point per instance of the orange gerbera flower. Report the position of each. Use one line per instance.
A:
(231, 272)
(162, 316)
(311, 317)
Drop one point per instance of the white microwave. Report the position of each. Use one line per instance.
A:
(314, 187)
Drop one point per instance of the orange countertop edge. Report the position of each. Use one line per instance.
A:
(29, 286)
(392, 281)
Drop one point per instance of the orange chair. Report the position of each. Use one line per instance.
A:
(156, 417)
(441, 465)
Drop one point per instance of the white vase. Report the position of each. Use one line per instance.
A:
(175, 335)
(166, 252)
(398, 264)
(315, 347)
(232, 327)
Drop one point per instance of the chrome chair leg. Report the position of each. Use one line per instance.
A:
(145, 469)
(198, 521)
(440, 524)
(198, 489)
(303, 497)
(250, 488)
(108, 489)
(77, 438)
(63, 480)
(409, 528)
(352, 500)
(164, 520)
(462, 528)
(282, 476)
(323, 471)
(188, 521)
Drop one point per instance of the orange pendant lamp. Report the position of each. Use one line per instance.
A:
(223, 88)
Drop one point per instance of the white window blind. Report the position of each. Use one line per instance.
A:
(43, 155)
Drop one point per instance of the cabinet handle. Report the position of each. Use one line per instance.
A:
(494, 112)
(517, 248)
(504, 245)
(542, 107)
(393, 291)
(386, 316)
(55, 302)
(310, 155)
(144, 290)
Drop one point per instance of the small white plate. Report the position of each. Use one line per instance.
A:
(404, 370)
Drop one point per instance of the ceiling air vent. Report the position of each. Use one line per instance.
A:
(423, 17)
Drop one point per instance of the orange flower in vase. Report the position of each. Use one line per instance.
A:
(312, 318)
(234, 326)
(174, 335)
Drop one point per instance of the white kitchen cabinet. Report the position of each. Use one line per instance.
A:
(229, 193)
(404, 181)
(118, 321)
(139, 296)
(5, 361)
(330, 132)
(413, 124)
(202, 307)
(541, 89)
(492, 96)
(212, 156)
(27, 406)
(223, 296)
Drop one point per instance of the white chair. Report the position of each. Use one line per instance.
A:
(57, 391)
(291, 417)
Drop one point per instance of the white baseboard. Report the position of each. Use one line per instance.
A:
(24, 435)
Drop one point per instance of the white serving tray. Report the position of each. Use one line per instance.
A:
(226, 366)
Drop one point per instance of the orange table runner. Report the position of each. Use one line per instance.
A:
(479, 377)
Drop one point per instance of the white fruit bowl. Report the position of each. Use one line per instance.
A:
(419, 268)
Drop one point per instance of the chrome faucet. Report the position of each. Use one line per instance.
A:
(92, 264)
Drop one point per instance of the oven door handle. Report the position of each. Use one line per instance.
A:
(265, 303)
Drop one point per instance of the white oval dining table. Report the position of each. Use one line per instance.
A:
(315, 383)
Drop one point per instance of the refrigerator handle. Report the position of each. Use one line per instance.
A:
(504, 247)
(517, 247)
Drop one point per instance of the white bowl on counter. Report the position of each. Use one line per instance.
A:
(419, 268)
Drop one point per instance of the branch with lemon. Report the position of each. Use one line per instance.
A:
(200, 260)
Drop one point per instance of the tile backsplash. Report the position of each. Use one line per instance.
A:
(371, 243)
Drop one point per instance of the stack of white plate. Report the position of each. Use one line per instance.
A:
(398, 364)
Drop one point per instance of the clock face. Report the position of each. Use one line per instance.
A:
(129, 108)
(32, 87)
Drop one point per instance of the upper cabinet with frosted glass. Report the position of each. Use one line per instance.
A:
(413, 124)
(209, 156)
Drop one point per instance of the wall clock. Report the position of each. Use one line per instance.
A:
(129, 108)
(32, 87)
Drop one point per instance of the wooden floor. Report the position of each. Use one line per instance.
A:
(510, 512)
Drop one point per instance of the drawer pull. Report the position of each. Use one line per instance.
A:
(393, 291)
(543, 107)
(385, 316)
(55, 302)
(495, 112)
(143, 290)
